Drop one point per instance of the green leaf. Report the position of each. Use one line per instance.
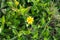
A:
(42, 21)
(0, 29)
(20, 33)
(35, 35)
(24, 10)
(26, 32)
(10, 4)
(46, 33)
(3, 20)
(45, 38)
(54, 38)
(14, 31)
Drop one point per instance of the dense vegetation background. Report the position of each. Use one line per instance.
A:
(29, 19)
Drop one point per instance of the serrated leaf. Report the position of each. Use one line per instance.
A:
(24, 10)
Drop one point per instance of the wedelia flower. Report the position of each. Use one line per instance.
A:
(16, 2)
(30, 20)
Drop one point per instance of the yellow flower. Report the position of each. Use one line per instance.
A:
(16, 2)
(30, 20)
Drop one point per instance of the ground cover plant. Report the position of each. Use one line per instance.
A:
(29, 20)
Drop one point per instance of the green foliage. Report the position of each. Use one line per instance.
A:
(14, 25)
